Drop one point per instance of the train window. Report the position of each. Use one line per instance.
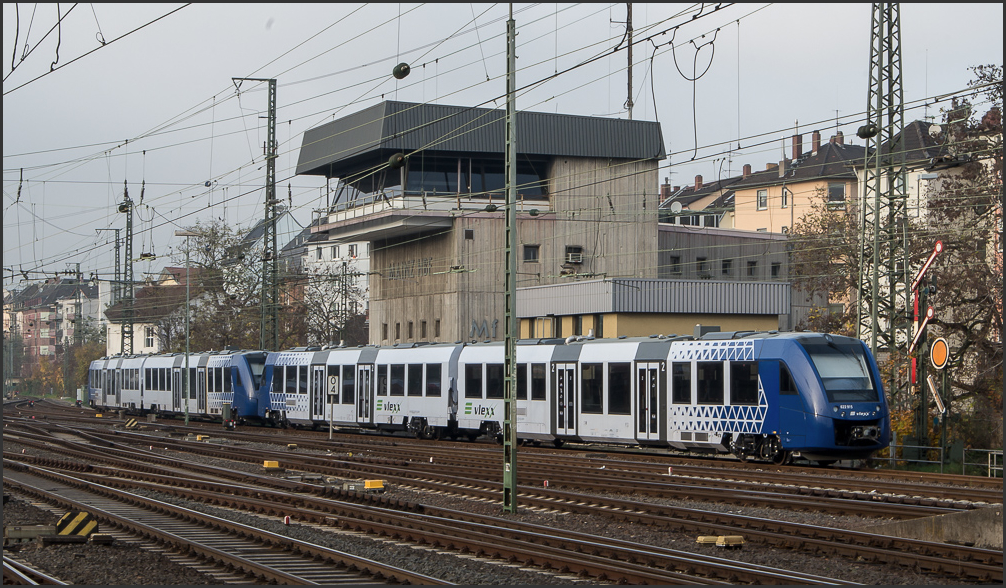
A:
(302, 379)
(348, 384)
(743, 382)
(415, 379)
(710, 382)
(538, 381)
(398, 379)
(228, 383)
(193, 386)
(146, 378)
(681, 383)
(494, 380)
(433, 381)
(591, 387)
(211, 380)
(521, 381)
(619, 388)
(382, 380)
(290, 379)
(257, 364)
(473, 380)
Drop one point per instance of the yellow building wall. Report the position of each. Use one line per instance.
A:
(776, 219)
(644, 325)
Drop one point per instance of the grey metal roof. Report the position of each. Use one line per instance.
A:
(654, 296)
(390, 127)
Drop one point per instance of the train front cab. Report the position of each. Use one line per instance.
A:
(847, 415)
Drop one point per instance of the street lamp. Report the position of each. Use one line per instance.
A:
(185, 379)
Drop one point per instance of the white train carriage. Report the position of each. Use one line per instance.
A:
(157, 382)
(480, 389)
(128, 385)
(412, 392)
(611, 391)
(340, 390)
(287, 373)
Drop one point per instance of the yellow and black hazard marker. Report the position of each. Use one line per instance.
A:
(77, 523)
(131, 424)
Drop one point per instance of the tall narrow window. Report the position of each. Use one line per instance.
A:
(762, 199)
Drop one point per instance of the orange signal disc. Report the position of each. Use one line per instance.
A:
(939, 353)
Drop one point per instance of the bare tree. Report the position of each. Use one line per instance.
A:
(335, 305)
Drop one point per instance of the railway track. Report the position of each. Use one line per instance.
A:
(967, 562)
(260, 555)
(19, 573)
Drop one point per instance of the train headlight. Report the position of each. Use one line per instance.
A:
(878, 409)
(843, 413)
(834, 409)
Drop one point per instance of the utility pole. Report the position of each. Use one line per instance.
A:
(882, 308)
(628, 26)
(115, 284)
(269, 331)
(76, 310)
(126, 321)
(510, 369)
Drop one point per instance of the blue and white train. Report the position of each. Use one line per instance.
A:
(763, 395)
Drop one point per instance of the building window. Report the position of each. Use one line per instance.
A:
(701, 265)
(318, 253)
(436, 329)
(422, 330)
(676, 265)
(577, 324)
(752, 269)
(352, 251)
(776, 270)
(531, 253)
(728, 267)
(410, 330)
(335, 252)
(836, 192)
(149, 339)
(469, 234)
(762, 199)
(398, 331)
(785, 198)
(384, 331)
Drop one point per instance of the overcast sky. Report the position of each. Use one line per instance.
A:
(156, 105)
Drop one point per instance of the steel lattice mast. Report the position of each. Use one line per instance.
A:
(882, 304)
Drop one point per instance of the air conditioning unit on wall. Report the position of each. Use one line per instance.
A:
(574, 258)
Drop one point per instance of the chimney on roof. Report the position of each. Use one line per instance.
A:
(698, 182)
(840, 138)
(747, 170)
(815, 141)
(797, 146)
(782, 167)
(771, 166)
(665, 190)
(675, 189)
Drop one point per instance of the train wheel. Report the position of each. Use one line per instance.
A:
(782, 457)
(557, 443)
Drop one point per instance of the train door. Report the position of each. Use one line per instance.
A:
(565, 398)
(364, 387)
(118, 388)
(201, 390)
(647, 401)
(319, 392)
(176, 389)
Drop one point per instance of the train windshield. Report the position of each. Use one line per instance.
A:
(844, 370)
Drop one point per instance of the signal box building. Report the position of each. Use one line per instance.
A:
(425, 185)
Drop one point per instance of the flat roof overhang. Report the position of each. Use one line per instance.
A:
(391, 224)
